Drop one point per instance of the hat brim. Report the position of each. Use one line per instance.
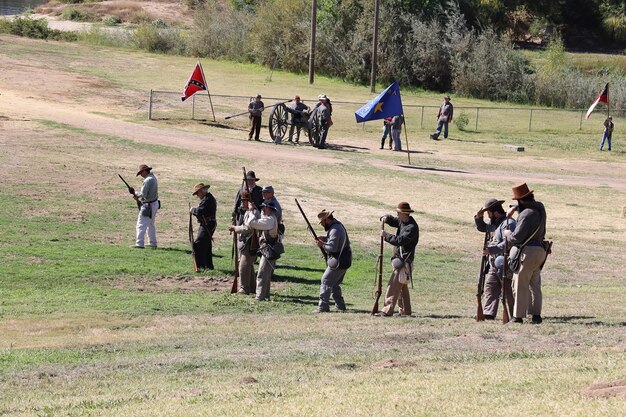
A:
(405, 211)
(495, 203)
(525, 195)
(145, 169)
(325, 217)
(206, 187)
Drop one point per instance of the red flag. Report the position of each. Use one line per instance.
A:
(196, 83)
(602, 98)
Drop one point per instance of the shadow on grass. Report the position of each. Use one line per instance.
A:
(585, 320)
(299, 299)
(301, 268)
(435, 169)
(445, 316)
(295, 280)
(345, 148)
(466, 140)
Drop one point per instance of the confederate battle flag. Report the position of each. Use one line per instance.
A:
(602, 98)
(196, 83)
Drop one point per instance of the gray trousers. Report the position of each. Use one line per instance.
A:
(493, 290)
(331, 281)
(247, 283)
(264, 278)
(527, 282)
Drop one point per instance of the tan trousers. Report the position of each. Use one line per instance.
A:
(397, 293)
(527, 282)
(247, 282)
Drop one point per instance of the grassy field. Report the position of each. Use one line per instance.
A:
(89, 326)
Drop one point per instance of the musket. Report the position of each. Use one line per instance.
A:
(131, 190)
(310, 228)
(379, 267)
(193, 251)
(505, 310)
(247, 112)
(484, 263)
(235, 255)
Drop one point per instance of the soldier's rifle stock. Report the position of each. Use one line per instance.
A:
(484, 264)
(193, 251)
(379, 270)
(310, 228)
(248, 112)
(131, 190)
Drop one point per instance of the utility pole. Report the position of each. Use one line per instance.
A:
(312, 46)
(375, 46)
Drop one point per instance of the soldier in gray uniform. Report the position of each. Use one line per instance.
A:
(405, 240)
(298, 118)
(529, 235)
(498, 223)
(337, 245)
(255, 108)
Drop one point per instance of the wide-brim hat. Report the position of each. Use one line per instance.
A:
(267, 189)
(323, 215)
(250, 175)
(322, 97)
(404, 207)
(258, 96)
(198, 187)
(447, 96)
(269, 205)
(143, 167)
(520, 191)
(492, 203)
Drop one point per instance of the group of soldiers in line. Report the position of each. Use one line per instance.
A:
(301, 117)
(259, 229)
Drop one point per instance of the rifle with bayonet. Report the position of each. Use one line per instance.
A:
(193, 251)
(310, 228)
(131, 190)
(379, 268)
(484, 267)
(248, 112)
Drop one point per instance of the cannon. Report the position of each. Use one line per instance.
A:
(281, 120)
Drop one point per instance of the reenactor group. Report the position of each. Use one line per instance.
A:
(257, 227)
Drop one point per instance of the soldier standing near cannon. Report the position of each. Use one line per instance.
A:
(298, 118)
(255, 108)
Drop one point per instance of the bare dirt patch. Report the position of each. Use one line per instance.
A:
(607, 390)
(164, 283)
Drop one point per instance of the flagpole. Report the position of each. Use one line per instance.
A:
(406, 137)
(207, 90)
(608, 102)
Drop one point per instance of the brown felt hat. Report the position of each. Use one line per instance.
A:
(250, 175)
(520, 191)
(404, 207)
(143, 167)
(324, 215)
(492, 203)
(199, 187)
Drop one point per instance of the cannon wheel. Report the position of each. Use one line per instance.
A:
(314, 129)
(278, 122)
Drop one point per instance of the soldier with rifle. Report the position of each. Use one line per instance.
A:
(527, 243)
(336, 244)
(492, 272)
(205, 213)
(405, 241)
(255, 108)
(248, 241)
(270, 247)
(148, 198)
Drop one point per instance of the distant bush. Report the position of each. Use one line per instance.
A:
(153, 39)
(615, 27)
(111, 20)
(461, 121)
(34, 28)
(78, 14)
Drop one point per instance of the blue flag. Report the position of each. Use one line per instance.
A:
(387, 104)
